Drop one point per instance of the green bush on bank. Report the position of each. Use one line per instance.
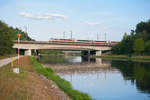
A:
(62, 84)
(7, 35)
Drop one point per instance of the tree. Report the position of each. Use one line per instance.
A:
(144, 35)
(125, 35)
(117, 49)
(127, 45)
(132, 32)
(143, 26)
(5, 39)
(147, 47)
(7, 35)
(135, 41)
(138, 46)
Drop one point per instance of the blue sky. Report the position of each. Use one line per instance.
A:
(47, 19)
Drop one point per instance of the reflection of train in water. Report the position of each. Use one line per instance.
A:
(84, 41)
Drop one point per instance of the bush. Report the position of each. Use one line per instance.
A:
(138, 46)
(147, 47)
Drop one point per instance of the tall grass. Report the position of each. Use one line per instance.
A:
(62, 84)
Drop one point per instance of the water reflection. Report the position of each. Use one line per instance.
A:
(137, 72)
(67, 59)
(104, 79)
(80, 65)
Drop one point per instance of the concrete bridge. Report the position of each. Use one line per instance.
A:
(87, 47)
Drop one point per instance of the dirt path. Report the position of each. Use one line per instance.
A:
(6, 61)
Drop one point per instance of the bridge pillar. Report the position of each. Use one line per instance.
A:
(98, 53)
(88, 52)
(28, 52)
(99, 60)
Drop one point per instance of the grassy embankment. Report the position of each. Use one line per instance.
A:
(125, 57)
(15, 86)
(27, 85)
(62, 84)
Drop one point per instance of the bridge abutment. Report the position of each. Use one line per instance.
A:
(28, 52)
(98, 53)
(91, 52)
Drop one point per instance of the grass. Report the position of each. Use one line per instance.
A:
(62, 84)
(18, 86)
(125, 57)
(12, 85)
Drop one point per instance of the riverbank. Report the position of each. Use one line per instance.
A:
(125, 57)
(62, 84)
(28, 85)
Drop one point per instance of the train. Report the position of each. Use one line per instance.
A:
(84, 41)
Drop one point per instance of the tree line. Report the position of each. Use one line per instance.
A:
(137, 42)
(7, 35)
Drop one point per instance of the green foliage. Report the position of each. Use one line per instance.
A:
(125, 36)
(5, 39)
(131, 44)
(125, 46)
(24, 35)
(138, 46)
(147, 47)
(117, 49)
(142, 35)
(143, 26)
(62, 84)
(7, 35)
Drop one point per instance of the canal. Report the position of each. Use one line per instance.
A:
(103, 79)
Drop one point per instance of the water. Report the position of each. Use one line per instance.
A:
(105, 79)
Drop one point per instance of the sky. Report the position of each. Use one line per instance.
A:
(87, 19)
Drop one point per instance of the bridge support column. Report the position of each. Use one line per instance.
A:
(88, 52)
(98, 53)
(99, 60)
(28, 52)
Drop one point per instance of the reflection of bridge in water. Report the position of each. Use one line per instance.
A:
(98, 65)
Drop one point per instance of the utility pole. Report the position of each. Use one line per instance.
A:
(105, 39)
(97, 37)
(105, 36)
(71, 35)
(18, 35)
(25, 29)
(64, 34)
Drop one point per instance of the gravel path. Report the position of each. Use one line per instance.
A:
(6, 61)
